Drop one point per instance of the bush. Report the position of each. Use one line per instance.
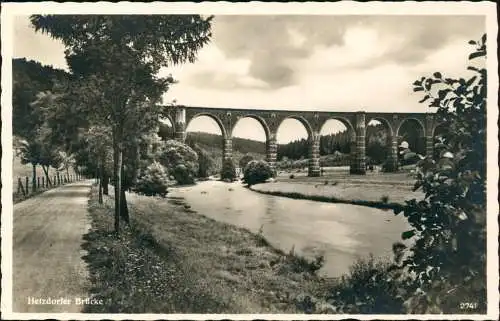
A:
(257, 171)
(228, 170)
(154, 181)
(448, 255)
(370, 287)
(174, 153)
(183, 175)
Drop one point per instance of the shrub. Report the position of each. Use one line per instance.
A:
(228, 171)
(154, 181)
(257, 171)
(183, 175)
(370, 287)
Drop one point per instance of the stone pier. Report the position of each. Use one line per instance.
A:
(272, 150)
(314, 168)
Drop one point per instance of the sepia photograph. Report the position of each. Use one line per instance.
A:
(214, 161)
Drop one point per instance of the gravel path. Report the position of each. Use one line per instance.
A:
(47, 252)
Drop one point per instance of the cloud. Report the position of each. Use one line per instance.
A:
(306, 62)
(276, 44)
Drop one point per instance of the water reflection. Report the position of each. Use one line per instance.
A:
(341, 232)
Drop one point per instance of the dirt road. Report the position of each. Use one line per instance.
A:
(47, 252)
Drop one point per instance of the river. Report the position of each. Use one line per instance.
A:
(340, 232)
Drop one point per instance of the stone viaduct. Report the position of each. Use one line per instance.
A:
(355, 122)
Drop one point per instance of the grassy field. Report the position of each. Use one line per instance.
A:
(338, 185)
(174, 260)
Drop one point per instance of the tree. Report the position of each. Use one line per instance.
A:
(30, 78)
(116, 60)
(228, 172)
(449, 225)
(257, 171)
(205, 162)
(98, 144)
(66, 161)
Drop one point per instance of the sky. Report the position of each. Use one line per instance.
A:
(303, 62)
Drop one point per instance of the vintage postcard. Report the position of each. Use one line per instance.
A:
(279, 161)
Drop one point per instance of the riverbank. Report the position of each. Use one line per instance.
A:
(174, 260)
(384, 192)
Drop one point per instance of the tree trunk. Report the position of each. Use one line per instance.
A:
(117, 166)
(104, 175)
(47, 178)
(100, 186)
(34, 178)
(124, 207)
(105, 182)
(137, 170)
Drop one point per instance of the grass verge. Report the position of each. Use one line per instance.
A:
(173, 260)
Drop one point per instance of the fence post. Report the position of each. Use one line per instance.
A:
(38, 182)
(43, 182)
(58, 179)
(27, 185)
(20, 186)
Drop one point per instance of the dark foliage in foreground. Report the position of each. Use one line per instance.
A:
(257, 171)
(228, 172)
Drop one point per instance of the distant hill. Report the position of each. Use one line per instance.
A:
(241, 145)
(213, 144)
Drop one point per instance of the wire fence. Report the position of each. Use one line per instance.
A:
(28, 186)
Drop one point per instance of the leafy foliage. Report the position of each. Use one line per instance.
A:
(449, 225)
(205, 163)
(228, 172)
(183, 175)
(369, 288)
(115, 60)
(257, 171)
(180, 160)
(30, 78)
(245, 160)
(154, 181)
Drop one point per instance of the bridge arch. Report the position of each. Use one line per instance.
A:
(387, 124)
(344, 121)
(302, 120)
(412, 130)
(438, 127)
(411, 119)
(380, 154)
(213, 117)
(259, 119)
